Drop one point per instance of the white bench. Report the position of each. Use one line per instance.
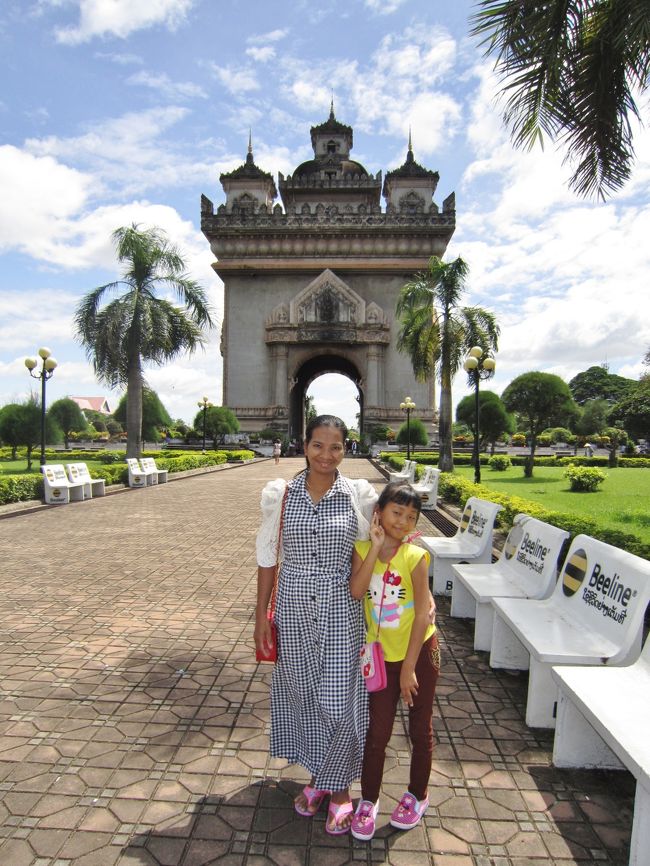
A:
(92, 486)
(428, 487)
(471, 543)
(407, 473)
(593, 617)
(58, 488)
(527, 568)
(137, 476)
(149, 466)
(603, 720)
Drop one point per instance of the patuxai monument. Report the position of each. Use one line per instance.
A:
(310, 285)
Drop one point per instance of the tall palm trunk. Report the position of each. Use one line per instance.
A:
(134, 407)
(445, 456)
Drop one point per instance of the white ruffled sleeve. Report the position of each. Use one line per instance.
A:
(267, 535)
(364, 499)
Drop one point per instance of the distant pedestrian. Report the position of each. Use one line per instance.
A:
(589, 449)
(354, 447)
(277, 450)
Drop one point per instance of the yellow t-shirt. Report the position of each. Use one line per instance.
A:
(398, 611)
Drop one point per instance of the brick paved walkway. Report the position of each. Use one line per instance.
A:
(133, 719)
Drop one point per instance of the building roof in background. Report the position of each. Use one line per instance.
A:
(97, 404)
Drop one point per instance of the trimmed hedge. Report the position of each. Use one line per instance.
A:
(21, 488)
(457, 490)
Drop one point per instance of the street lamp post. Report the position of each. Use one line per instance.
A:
(204, 404)
(46, 372)
(478, 367)
(408, 406)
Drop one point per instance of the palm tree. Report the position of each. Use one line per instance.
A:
(570, 71)
(137, 326)
(437, 333)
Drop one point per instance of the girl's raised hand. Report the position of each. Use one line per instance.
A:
(377, 534)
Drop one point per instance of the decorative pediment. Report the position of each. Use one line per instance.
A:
(327, 300)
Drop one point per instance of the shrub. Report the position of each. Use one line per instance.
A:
(518, 440)
(499, 462)
(20, 488)
(584, 479)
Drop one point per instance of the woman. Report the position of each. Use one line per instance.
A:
(319, 704)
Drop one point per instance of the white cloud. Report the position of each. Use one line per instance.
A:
(166, 87)
(121, 18)
(271, 36)
(236, 80)
(384, 7)
(39, 196)
(261, 53)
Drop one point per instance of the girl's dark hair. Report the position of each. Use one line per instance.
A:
(324, 421)
(401, 493)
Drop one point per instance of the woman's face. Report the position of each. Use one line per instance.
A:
(325, 450)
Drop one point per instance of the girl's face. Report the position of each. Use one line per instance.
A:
(398, 520)
(325, 450)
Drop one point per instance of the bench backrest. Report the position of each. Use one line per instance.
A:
(430, 477)
(54, 474)
(148, 464)
(477, 523)
(134, 465)
(531, 552)
(78, 472)
(605, 589)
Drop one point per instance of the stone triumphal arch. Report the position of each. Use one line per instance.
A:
(310, 286)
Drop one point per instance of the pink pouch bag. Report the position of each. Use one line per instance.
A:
(373, 666)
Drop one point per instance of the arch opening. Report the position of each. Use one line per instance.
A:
(335, 384)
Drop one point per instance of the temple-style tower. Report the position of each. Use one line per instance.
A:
(311, 285)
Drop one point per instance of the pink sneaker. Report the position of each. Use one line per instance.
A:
(363, 822)
(409, 812)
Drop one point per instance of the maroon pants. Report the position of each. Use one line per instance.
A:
(383, 707)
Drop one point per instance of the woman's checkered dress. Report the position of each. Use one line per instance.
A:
(319, 704)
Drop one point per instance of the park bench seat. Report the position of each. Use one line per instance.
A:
(471, 543)
(137, 476)
(57, 487)
(428, 487)
(603, 719)
(527, 568)
(149, 466)
(407, 473)
(593, 617)
(92, 486)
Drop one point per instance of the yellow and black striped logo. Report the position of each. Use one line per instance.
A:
(465, 518)
(575, 569)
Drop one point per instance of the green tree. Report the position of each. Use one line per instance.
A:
(617, 437)
(593, 417)
(436, 333)
(139, 327)
(570, 71)
(597, 383)
(541, 400)
(633, 412)
(20, 426)
(417, 433)
(310, 408)
(154, 415)
(219, 422)
(68, 416)
(494, 421)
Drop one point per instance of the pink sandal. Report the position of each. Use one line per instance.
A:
(335, 813)
(314, 798)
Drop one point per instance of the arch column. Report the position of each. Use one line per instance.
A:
(281, 374)
(374, 375)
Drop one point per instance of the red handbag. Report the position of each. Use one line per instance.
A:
(271, 655)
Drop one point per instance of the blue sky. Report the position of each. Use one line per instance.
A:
(120, 112)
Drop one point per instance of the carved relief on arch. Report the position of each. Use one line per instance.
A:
(279, 315)
(375, 314)
(329, 300)
(412, 203)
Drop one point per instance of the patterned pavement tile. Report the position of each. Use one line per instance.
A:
(134, 720)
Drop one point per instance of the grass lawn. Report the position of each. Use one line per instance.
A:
(622, 501)
(19, 467)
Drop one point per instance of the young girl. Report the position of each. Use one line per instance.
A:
(392, 577)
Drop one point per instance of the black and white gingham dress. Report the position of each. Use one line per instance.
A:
(319, 704)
